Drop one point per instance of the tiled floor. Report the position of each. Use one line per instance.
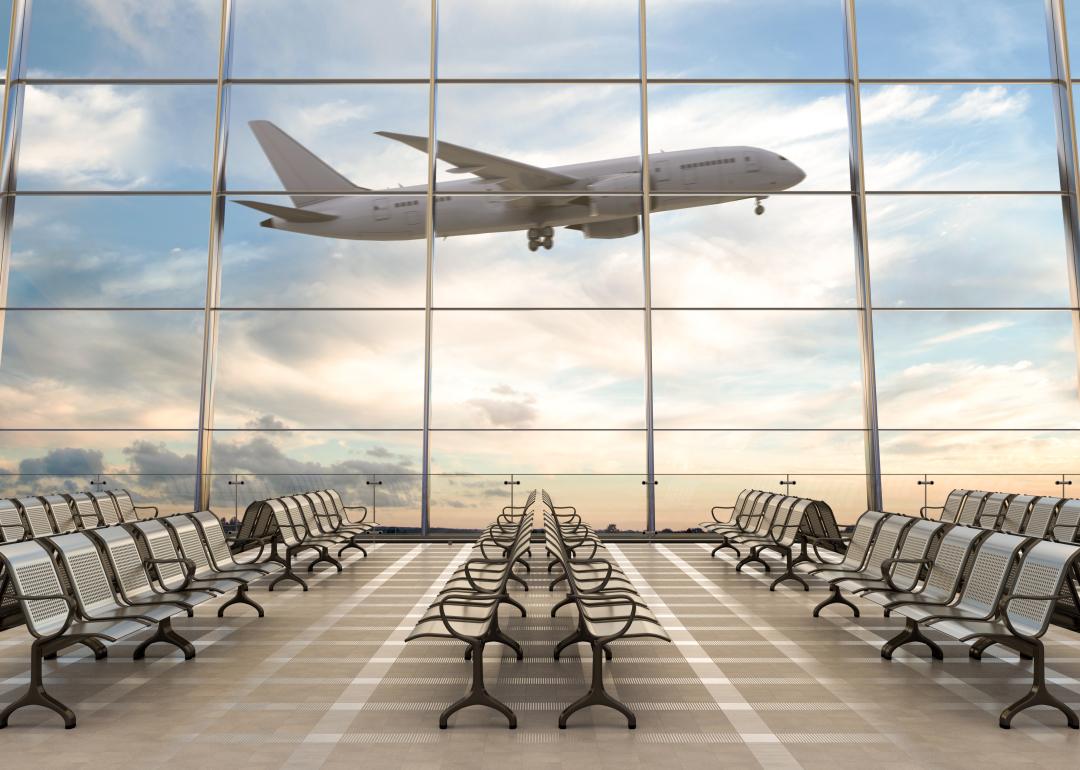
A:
(751, 680)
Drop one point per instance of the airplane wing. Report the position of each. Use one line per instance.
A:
(509, 174)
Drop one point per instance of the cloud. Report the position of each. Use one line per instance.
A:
(265, 422)
(967, 331)
(63, 461)
(512, 410)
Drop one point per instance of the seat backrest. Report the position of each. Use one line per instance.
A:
(969, 511)
(1067, 522)
(213, 535)
(86, 513)
(107, 509)
(785, 532)
(125, 506)
(89, 582)
(126, 561)
(773, 514)
(307, 511)
(951, 510)
(325, 506)
(160, 545)
(339, 506)
(986, 582)
(1042, 573)
(12, 526)
(917, 543)
(32, 571)
(1042, 513)
(248, 521)
(291, 533)
(36, 516)
(1016, 513)
(865, 530)
(187, 534)
(956, 548)
(761, 504)
(884, 547)
(990, 513)
(60, 509)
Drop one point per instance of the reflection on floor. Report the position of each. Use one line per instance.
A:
(752, 680)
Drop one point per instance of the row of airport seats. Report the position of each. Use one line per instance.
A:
(976, 585)
(97, 583)
(467, 607)
(609, 607)
(108, 583)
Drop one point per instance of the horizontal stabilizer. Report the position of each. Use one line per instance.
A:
(299, 169)
(288, 213)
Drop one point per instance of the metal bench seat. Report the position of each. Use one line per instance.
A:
(84, 509)
(978, 598)
(222, 557)
(172, 571)
(36, 515)
(319, 525)
(742, 502)
(295, 537)
(1020, 618)
(12, 526)
(60, 510)
(902, 572)
(1016, 514)
(52, 618)
(950, 511)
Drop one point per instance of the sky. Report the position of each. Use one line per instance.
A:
(756, 356)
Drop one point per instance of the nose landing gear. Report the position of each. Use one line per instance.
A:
(759, 209)
(541, 236)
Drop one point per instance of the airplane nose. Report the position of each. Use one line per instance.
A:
(797, 174)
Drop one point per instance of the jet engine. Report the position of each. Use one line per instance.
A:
(613, 228)
(609, 205)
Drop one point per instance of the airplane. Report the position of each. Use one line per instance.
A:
(586, 203)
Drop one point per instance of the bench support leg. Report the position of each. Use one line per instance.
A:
(520, 560)
(803, 555)
(751, 558)
(352, 544)
(911, 633)
(834, 597)
(517, 579)
(165, 633)
(478, 696)
(35, 694)
(324, 556)
(100, 650)
(241, 597)
(556, 581)
(1038, 695)
(287, 574)
(597, 695)
(724, 545)
(789, 574)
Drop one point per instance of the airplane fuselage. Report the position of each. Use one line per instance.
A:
(715, 174)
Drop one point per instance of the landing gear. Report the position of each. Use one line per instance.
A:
(759, 209)
(541, 236)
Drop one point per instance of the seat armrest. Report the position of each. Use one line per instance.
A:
(1003, 607)
(492, 600)
(187, 564)
(153, 508)
(886, 569)
(355, 508)
(925, 508)
(69, 601)
(715, 508)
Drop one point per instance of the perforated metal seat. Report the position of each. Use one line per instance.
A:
(12, 526)
(950, 511)
(971, 508)
(171, 570)
(1016, 514)
(126, 506)
(106, 507)
(52, 619)
(1042, 513)
(1021, 618)
(742, 502)
(36, 516)
(902, 573)
(992, 509)
(84, 509)
(1067, 523)
(60, 510)
(217, 545)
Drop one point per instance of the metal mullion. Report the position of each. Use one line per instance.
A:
(872, 441)
(1067, 154)
(163, 81)
(429, 272)
(213, 263)
(646, 267)
(9, 142)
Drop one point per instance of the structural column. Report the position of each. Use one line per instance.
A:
(646, 269)
(429, 288)
(1065, 122)
(203, 481)
(14, 90)
(871, 438)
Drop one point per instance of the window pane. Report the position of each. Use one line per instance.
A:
(959, 38)
(909, 493)
(101, 369)
(967, 251)
(158, 468)
(538, 369)
(538, 38)
(697, 469)
(264, 266)
(115, 251)
(976, 370)
(985, 137)
(320, 369)
(756, 369)
(125, 38)
(745, 38)
(338, 38)
(799, 253)
(748, 139)
(336, 123)
(593, 267)
(117, 137)
(596, 471)
(5, 32)
(554, 127)
(272, 462)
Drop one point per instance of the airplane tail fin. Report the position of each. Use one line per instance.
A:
(298, 168)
